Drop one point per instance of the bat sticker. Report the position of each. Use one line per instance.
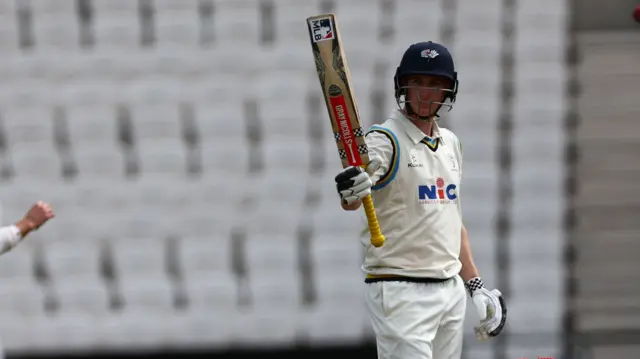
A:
(341, 114)
(322, 30)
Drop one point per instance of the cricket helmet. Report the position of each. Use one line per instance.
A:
(427, 58)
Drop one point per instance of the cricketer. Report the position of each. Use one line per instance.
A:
(416, 281)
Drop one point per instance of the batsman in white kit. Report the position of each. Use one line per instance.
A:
(416, 281)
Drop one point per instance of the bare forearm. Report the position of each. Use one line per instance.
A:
(25, 226)
(469, 269)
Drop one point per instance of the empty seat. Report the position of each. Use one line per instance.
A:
(21, 296)
(178, 28)
(290, 158)
(335, 253)
(277, 294)
(541, 276)
(215, 90)
(283, 120)
(540, 77)
(204, 327)
(473, 17)
(269, 256)
(56, 31)
(206, 258)
(414, 19)
(210, 291)
(237, 22)
(86, 296)
(359, 33)
(18, 263)
(119, 29)
(535, 314)
(8, 29)
(265, 328)
(70, 332)
(218, 119)
(291, 28)
(284, 193)
(92, 125)
(70, 259)
(142, 273)
(155, 92)
(334, 220)
(548, 245)
(339, 298)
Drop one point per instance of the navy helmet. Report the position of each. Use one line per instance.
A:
(427, 58)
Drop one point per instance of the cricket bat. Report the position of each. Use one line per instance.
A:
(335, 82)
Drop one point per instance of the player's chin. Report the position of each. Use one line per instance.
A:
(424, 113)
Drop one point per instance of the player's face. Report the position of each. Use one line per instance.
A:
(425, 93)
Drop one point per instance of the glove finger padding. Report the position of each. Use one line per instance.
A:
(359, 184)
(481, 307)
(348, 174)
(353, 184)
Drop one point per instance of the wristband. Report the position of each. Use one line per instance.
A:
(473, 284)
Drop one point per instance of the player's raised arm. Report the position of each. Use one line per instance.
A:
(355, 183)
(37, 215)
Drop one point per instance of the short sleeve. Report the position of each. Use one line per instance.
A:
(380, 146)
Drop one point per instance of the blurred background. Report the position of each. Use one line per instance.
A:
(185, 147)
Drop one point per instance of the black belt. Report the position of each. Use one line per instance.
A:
(389, 278)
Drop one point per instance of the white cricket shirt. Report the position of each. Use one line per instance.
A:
(416, 196)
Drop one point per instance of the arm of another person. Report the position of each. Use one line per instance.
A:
(37, 215)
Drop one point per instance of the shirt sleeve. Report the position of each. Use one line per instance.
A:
(380, 146)
(9, 238)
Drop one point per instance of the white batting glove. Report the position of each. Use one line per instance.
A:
(354, 183)
(491, 308)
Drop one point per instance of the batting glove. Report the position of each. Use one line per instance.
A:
(491, 308)
(354, 183)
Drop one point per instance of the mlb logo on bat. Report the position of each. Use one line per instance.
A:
(322, 29)
(438, 193)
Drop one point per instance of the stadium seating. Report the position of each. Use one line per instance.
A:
(184, 163)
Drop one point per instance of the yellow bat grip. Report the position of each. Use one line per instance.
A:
(377, 239)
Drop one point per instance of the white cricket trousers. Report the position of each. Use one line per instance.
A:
(418, 320)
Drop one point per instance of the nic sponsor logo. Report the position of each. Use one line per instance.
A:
(441, 192)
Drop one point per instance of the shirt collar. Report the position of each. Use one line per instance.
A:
(415, 134)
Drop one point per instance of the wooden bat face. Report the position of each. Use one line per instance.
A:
(333, 74)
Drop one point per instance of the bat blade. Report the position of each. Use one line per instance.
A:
(335, 82)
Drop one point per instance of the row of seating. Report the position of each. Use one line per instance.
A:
(227, 222)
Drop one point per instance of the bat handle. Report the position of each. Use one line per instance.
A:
(377, 239)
